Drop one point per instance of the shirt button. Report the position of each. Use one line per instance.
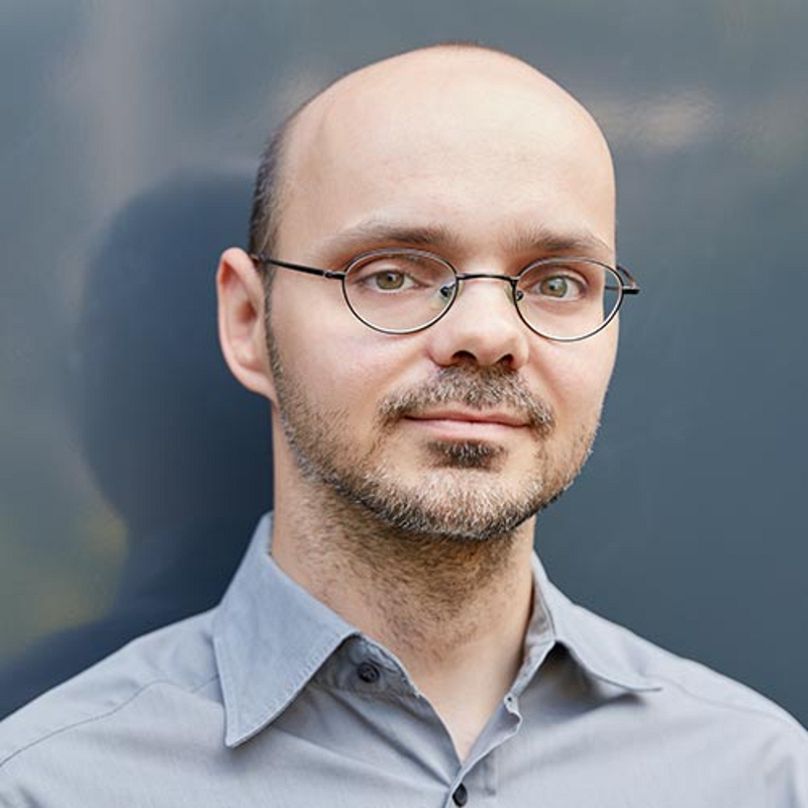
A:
(461, 795)
(368, 672)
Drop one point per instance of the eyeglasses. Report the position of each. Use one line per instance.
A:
(401, 291)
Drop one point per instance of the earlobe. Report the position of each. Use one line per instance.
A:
(242, 332)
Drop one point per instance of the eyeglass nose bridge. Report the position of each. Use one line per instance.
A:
(459, 277)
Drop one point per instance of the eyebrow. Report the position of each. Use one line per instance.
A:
(541, 237)
(377, 231)
(537, 237)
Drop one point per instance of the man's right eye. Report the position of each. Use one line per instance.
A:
(389, 280)
(391, 274)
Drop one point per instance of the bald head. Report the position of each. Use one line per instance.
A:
(452, 108)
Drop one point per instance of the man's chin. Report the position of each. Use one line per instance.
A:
(446, 503)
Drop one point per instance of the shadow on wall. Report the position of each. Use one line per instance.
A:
(176, 446)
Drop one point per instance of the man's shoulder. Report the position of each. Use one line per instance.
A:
(692, 686)
(177, 658)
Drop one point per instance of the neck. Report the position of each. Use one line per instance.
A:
(454, 612)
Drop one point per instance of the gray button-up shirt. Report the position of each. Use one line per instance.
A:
(271, 699)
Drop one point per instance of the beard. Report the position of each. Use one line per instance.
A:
(460, 497)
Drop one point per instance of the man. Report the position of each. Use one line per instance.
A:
(429, 305)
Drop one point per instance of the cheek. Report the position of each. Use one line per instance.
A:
(576, 376)
(351, 379)
(345, 365)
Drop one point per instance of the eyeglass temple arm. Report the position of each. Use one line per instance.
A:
(261, 258)
(632, 287)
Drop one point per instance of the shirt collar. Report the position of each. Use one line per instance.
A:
(271, 636)
(603, 649)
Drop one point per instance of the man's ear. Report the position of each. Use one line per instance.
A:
(242, 331)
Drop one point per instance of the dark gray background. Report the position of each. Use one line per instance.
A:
(689, 523)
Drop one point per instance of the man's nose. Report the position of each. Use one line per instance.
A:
(481, 326)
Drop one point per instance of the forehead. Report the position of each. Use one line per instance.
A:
(481, 144)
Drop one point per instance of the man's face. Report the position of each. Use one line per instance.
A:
(466, 429)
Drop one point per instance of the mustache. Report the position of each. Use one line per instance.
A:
(479, 389)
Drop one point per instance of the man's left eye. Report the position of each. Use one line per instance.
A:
(559, 286)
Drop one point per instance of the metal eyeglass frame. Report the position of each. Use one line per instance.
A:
(628, 285)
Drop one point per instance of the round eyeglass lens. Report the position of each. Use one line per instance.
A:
(568, 299)
(399, 291)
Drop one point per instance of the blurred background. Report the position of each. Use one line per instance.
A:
(133, 469)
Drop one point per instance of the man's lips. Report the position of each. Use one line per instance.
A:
(460, 418)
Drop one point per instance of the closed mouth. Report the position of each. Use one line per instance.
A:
(502, 418)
